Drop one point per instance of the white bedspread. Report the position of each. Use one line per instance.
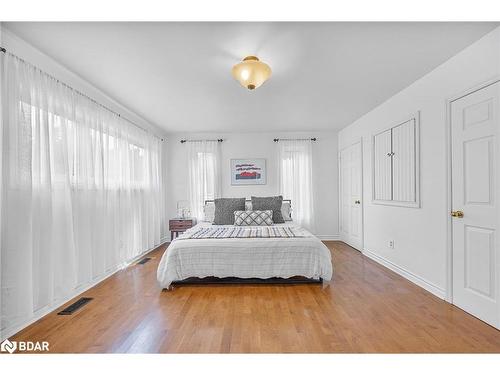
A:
(245, 258)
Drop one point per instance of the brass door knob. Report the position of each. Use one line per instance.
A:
(459, 214)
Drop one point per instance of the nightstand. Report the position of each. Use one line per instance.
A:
(179, 225)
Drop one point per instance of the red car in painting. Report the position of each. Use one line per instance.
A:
(247, 176)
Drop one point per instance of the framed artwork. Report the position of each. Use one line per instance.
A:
(248, 171)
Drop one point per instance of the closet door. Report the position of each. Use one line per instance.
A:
(475, 124)
(404, 162)
(356, 235)
(345, 195)
(382, 149)
(351, 214)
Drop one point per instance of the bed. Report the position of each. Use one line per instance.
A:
(300, 257)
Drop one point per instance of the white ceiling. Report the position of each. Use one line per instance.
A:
(178, 75)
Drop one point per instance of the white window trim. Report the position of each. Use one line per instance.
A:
(416, 203)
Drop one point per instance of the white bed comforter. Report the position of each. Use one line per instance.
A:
(245, 258)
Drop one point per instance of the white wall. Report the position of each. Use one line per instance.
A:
(420, 234)
(261, 145)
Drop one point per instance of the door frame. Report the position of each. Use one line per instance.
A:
(339, 166)
(449, 188)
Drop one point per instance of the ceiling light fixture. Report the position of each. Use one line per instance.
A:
(251, 72)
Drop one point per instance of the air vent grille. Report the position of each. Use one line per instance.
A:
(75, 306)
(144, 260)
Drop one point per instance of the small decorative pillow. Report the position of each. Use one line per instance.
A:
(257, 218)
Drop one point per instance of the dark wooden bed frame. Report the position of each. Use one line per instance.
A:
(253, 280)
(249, 200)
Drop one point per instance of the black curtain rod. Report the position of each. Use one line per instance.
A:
(81, 94)
(298, 139)
(201, 140)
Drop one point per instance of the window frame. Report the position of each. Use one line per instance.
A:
(417, 202)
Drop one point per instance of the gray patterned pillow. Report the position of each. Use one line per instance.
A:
(244, 218)
(269, 203)
(224, 210)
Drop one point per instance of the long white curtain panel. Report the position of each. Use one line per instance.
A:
(81, 192)
(204, 174)
(295, 176)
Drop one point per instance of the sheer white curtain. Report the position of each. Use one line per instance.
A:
(204, 174)
(295, 176)
(81, 192)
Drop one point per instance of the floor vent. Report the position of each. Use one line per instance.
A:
(144, 260)
(75, 306)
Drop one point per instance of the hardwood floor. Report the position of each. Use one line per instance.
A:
(367, 308)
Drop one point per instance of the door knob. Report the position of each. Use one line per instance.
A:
(357, 202)
(459, 214)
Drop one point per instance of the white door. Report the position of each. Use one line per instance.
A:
(351, 211)
(475, 189)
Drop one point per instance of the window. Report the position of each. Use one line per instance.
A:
(85, 156)
(396, 165)
(207, 162)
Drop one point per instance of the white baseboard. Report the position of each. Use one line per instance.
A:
(434, 289)
(82, 289)
(328, 237)
(55, 306)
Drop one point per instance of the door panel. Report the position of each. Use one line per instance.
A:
(478, 172)
(382, 166)
(477, 113)
(474, 128)
(351, 214)
(403, 162)
(479, 255)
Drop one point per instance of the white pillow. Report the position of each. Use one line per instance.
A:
(209, 212)
(286, 211)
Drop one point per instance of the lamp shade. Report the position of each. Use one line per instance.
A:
(251, 72)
